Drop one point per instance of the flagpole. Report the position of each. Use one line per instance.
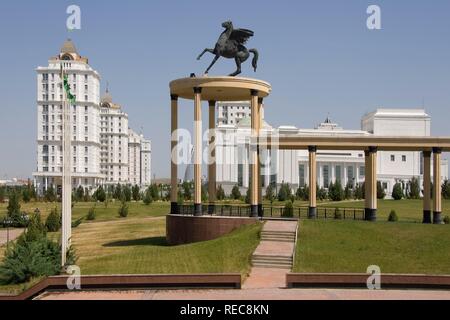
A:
(66, 175)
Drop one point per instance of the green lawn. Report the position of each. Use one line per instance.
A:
(104, 213)
(139, 246)
(351, 246)
(407, 210)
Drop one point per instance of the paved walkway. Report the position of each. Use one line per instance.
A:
(272, 259)
(13, 234)
(252, 294)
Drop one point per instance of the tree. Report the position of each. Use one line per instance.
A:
(50, 194)
(123, 210)
(381, 194)
(413, 189)
(136, 193)
(117, 192)
(26, 194)
(288, 211)
(148, 196)
(79, 193)
(53, 222)
(187, 190)
(270, 193)
(397, 192)
(335, 191)
(322, 194)
(359, 191)
(236, 193)
(220, 193)
(446, 189)
(285, 192)
(155, 191)
(248, 196)
(100, 194)
(348, 192)
(13, 209)
(2, 194)
(126, 191)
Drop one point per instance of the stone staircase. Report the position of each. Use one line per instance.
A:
(277, 245)
(271, 261)
(278, 236)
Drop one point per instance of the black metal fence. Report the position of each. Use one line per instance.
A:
(275, 211)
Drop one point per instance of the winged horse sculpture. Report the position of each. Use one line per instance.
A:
(231, 46)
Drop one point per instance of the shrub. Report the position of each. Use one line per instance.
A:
(397, 192)
(220, 193)
(136, 193)
(335, 191)
(393, 216)
(32, 255)
(338, 214)
(348, 192)
(322, 194)
(288, 209)
(53, 222)
(414, 189)
(77, 222)
(381, 194)
(13, 208)
(126, 193)
(91, 214)
(247, 196)
(285, 192)
(270, 193)
(446, 189)
(50, 194)
(123, 210)
(148, 197)
(235, 193)
(358, 193)
(447, 220)
(100, 194)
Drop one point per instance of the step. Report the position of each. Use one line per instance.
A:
(272, 258)
(269, 265)
(283, 236)
(278, 232)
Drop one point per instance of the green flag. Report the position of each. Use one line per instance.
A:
(70, 96)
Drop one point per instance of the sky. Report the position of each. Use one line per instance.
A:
(318, 55)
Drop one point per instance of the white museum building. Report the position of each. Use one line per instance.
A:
(291, 166)
(104, 149)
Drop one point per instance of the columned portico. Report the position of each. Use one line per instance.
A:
(212, 160)
(437, 188)
(371, 184)
(197, 151)
(312, 212)
(426, 187)
(174, 155)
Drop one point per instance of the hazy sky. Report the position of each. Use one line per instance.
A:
(318, 55)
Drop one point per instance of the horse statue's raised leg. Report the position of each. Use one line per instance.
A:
(205, 51)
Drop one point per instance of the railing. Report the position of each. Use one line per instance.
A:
(231, 210)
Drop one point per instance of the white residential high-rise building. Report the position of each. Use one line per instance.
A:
(85, 85)
(114, 141)
(99, 129)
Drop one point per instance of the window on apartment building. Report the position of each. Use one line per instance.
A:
(403, 158)
(392, 157)
(86, 170)
(85, 149)
(85, 77)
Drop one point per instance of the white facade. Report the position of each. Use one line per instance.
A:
(114, 140)
(99, 129)
(291, 166)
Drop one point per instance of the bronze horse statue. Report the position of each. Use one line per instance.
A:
(231, 45)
